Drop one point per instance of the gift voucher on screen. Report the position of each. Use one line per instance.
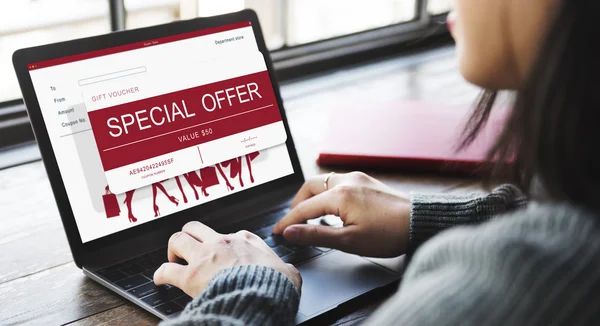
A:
(209, 112)
(150, 128)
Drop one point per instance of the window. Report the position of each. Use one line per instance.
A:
(286, 23)
(300, 33)
(308, 20)
(436, 7)
(28, 23)
(143, 13)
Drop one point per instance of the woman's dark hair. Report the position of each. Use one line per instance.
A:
(552, 131)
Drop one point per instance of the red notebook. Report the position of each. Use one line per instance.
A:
(407, 136)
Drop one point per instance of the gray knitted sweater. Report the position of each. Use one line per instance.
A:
(537, 265)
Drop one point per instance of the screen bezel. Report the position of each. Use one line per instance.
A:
(23, 57)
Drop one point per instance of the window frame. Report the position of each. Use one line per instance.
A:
(290, 62)
(420, 21)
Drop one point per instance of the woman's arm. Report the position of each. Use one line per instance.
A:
(378, 220)
(433, 213)
(243, 295)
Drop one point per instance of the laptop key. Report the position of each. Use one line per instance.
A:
(163, 296)
(269, 241)
(157, 262)
(183, 301)
(275, 240)
(112, 275)
(293, 247)
(159, 255)
(149, 274)
(281, 251)
(144, 290)
(132, 269)
(174, 292)
(148, 264)
(169, 308)
(132, 281)
(277, 215)
(264, 232)
(302, 255)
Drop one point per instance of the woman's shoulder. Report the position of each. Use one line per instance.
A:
(550, 219)
(537, 221)
(535, 266)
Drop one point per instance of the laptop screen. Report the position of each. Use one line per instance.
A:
(148, 129)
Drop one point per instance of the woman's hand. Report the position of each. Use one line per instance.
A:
(207, 252)
(376, 218)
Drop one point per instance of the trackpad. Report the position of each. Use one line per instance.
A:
(336, 278)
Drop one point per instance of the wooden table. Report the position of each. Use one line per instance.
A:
(40, 285)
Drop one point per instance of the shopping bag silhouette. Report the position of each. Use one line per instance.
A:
(111, 204)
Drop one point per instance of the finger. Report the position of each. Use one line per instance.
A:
(199, 231)
(308, 189)
(315, 186)
(317, 235)
(182, 245)
(170, 273)
(317, 206)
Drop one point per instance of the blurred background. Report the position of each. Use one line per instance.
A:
(306, 38)
(287, 24)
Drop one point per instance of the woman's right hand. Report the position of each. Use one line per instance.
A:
(376, 218)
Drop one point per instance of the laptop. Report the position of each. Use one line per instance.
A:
(144, 130)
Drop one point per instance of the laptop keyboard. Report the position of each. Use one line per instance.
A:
(135, 275)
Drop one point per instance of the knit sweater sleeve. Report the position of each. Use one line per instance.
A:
(433, 213)
(243, 295)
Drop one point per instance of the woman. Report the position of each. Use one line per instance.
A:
(523, 264)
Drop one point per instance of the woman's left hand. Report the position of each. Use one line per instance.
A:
(207, 252)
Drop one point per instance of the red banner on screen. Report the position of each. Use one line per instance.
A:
(154, 126)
